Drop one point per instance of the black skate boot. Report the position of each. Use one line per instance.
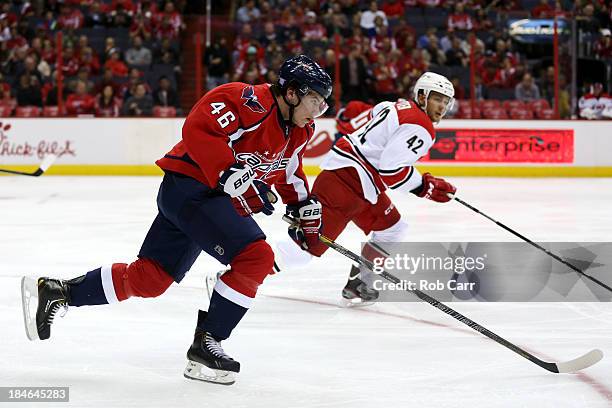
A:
(48, 296)
(206, 360)
(356, 292)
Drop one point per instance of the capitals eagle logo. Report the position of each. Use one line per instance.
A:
(252, 103)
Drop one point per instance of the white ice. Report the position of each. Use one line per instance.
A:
(296, 347)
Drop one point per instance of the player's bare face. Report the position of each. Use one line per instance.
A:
(311, 106)
(436, 105)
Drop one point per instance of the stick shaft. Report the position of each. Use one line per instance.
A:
(524, 238)
(552, 367)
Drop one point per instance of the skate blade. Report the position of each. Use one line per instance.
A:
(197, 371)
(29, 294)
(355, 302)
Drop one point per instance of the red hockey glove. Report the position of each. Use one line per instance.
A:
(308, 212)
(257, 198)
(435, 189)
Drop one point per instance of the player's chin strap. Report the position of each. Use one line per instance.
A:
(291, 106)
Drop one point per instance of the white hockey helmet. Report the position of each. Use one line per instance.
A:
(431, 81)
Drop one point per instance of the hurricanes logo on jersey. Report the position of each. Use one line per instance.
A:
(252, 103)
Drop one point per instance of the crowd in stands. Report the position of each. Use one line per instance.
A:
(118, 58)
(383, 46)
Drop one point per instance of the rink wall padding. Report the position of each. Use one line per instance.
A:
(487, 148)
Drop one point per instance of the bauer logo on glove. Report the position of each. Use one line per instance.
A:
(307, 213)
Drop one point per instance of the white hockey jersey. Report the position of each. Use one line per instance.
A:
(384, 150)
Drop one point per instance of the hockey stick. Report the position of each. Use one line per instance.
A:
(46, 163)
(571, 366)
(510, 230)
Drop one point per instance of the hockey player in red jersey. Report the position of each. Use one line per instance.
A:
(237, 141)
(379, 154)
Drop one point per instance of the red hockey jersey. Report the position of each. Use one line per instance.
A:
(237, 122)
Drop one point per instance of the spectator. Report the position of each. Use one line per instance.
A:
(547, 84)
(28, 92)
(385, 75)
(122, 6)
(248, 13)
(456, 56)
(109, 45)
(70, 18)
(50, 91)
(166, 29)
(603, 47)
(480, 91)
(353, 75)
(141, 26)
(48, 52)
(217, 61)
(482, 21)
(120, 16)
(165, 53)
(115, 64)
(89, 61)
(250, 61)
(459, 19)
(80, 102)
(335, 20)
(393, 9)
(96, 16)
(174, 17)
(138, 54)
(293, 46)
(108, 79)
(506, 75)
(128, 89)
(269, 35)
(107, 104)
(29, 68)
(71, 62)
(459, 89)
(596, 104)
(527, 90)
(587, 21)
(164, 95)
(312, 30)
(140, 104)
(542, 10)
(436, 54)
(271, 13)
(5, 87)
(367, 17)
(82, 76)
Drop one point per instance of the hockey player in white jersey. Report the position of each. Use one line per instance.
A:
(381, 154)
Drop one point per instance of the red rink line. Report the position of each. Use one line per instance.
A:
(598, 387)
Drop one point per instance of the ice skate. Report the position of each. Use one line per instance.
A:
(41, 299)
(206, 361)
(356, 292)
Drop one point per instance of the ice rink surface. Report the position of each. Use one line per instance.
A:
(296, 346)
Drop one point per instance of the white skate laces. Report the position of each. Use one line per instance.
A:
(214, 346)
